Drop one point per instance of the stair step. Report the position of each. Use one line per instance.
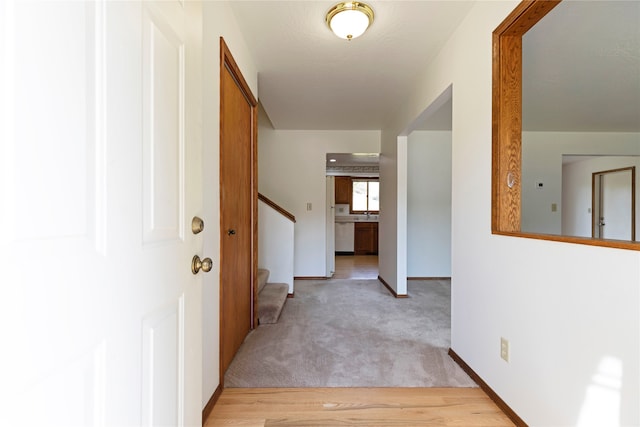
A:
(263, 276)
(270, 302)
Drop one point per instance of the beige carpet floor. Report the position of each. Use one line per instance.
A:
(353, 333)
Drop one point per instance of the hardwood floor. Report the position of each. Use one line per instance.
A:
(371, 407)
(356, 267)
(409, 407)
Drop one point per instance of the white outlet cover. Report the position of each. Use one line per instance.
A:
(504, 349)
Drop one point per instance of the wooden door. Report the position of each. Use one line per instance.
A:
(99, 143)
(238, 209)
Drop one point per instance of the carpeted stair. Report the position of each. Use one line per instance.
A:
(271, 298)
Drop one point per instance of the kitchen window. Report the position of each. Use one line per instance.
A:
(365, 196)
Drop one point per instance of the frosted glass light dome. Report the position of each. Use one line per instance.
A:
(349, 20)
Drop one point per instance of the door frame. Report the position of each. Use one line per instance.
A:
(596, 200)
(227, 62)
(330, 226)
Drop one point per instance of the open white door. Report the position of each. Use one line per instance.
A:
(614, 204)
(617, 196)
(100, 177)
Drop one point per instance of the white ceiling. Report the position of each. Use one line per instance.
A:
(310, 79)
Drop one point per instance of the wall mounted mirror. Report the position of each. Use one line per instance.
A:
(566, 90)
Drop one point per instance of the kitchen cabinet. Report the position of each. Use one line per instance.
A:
(365, 238)
(343, 190)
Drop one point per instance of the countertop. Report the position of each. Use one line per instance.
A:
(356, 218)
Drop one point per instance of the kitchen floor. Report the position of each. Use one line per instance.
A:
(356, 267)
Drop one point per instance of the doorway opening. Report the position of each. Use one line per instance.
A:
(428, 189)
(353, 209)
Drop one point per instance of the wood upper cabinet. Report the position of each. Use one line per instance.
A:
(343, 190)
(365, 241)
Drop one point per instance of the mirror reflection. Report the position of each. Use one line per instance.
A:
(581, 118)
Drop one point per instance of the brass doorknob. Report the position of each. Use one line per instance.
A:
(197, 264)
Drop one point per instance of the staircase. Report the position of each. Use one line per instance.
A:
(275, 258)
(271, 298)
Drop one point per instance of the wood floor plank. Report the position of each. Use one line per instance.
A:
(356, 407)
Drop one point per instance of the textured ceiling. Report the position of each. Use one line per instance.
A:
(582, 63)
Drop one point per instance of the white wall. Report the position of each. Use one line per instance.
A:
(429, 204)
(571, 312)
(292, 173)
(219, 20)
(275, 245)
(542, 162)
(577, 191)
(388, 260)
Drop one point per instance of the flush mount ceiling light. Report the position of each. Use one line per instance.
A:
(349, 20)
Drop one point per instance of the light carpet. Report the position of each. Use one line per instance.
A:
(353, 333)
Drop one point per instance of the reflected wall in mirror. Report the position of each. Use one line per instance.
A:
(598, 196)
(580, 96)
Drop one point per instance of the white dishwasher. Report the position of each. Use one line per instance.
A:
(344, 237)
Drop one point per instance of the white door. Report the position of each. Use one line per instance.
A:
(100, 176)
(615, 204)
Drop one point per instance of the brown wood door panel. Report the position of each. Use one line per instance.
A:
(237, 209)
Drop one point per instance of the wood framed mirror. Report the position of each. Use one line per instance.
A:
(507, 128)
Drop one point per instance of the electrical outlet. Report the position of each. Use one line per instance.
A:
(504, 349)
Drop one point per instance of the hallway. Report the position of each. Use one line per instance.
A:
(356, 267)
(374, 406)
